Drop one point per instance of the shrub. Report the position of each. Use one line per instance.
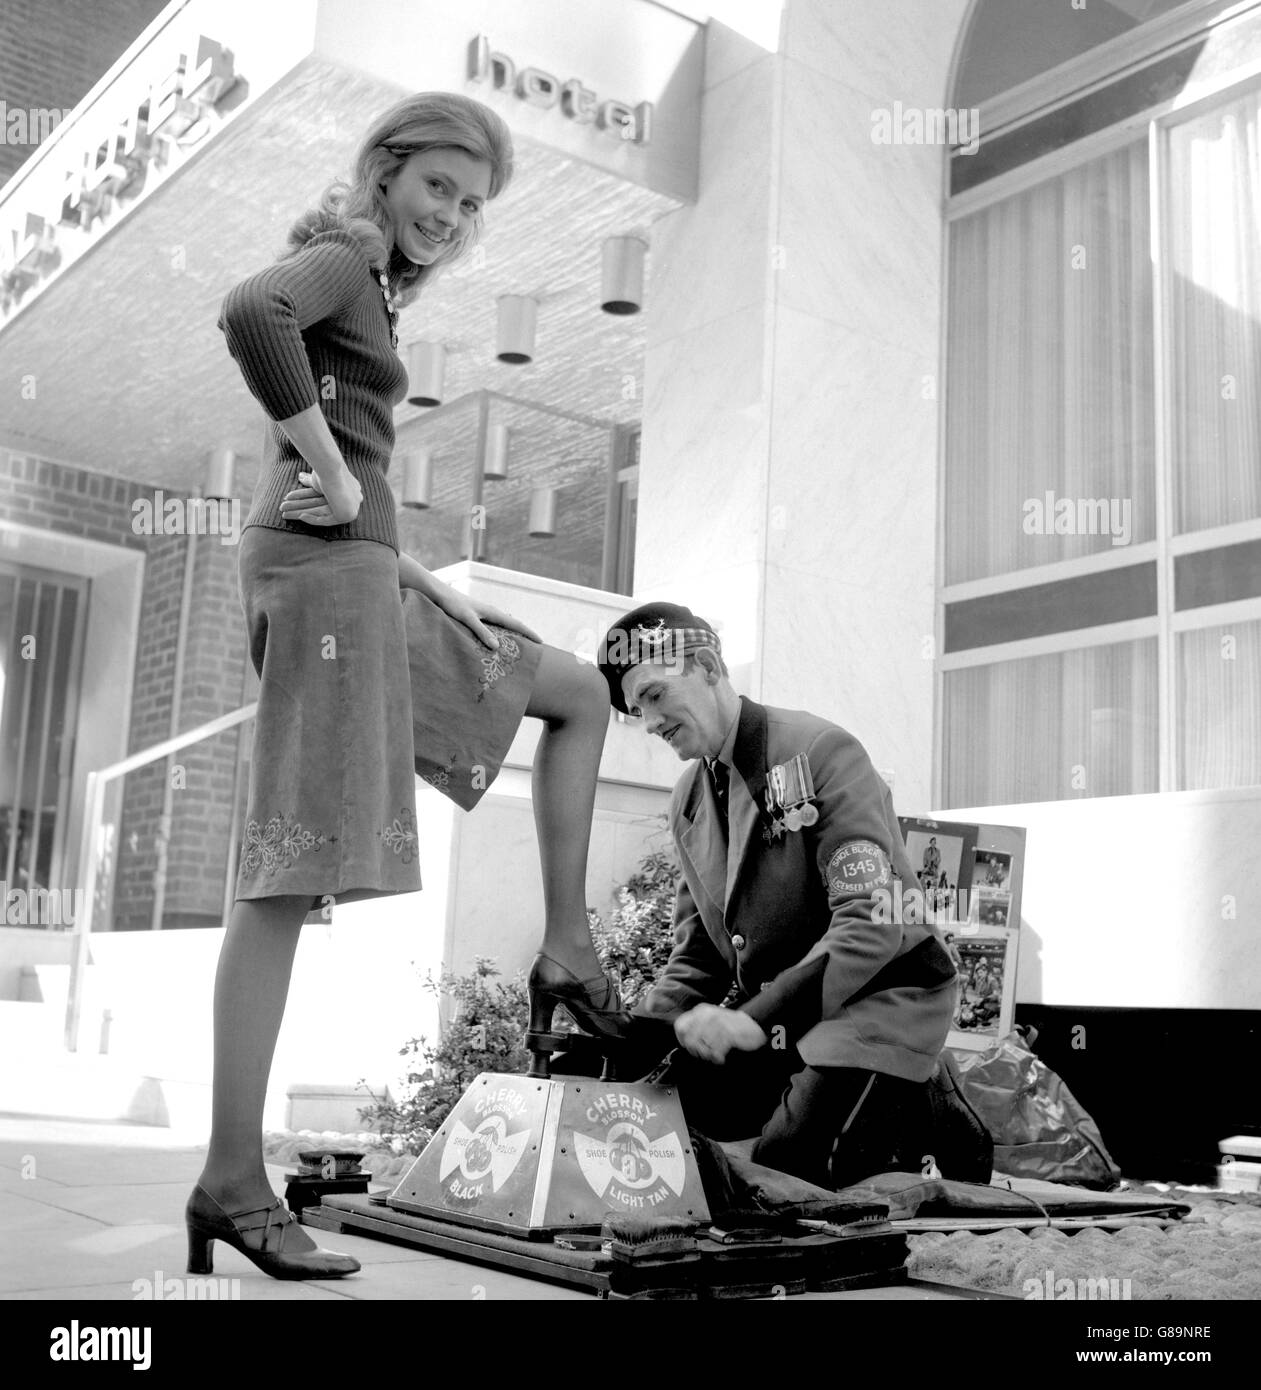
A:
(636, 941)
(487, 1028)
(485, 1034)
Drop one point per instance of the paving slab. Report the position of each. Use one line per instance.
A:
(264, 1290)
(94, 1211)
(19, 1215)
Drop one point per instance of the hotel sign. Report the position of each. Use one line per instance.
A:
(113, 166)
(575, 101)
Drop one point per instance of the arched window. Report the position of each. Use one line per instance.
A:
(1008, 42)
(1100, 594)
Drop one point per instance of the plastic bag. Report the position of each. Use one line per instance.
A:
(1039, 1129)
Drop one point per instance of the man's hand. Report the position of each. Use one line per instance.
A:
(709, 1032)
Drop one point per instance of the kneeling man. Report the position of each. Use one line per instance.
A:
(791, 854)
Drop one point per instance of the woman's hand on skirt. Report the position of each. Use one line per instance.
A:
(317, 504)
(475, 614)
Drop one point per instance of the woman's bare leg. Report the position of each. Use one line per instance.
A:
(572, 699)
(251, 987)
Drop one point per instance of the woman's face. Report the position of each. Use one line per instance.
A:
(433, 199)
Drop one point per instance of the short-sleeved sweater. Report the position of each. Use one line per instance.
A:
(314, 329)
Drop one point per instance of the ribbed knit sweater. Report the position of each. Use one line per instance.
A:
(314, 329)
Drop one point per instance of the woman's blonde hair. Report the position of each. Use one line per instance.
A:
(426, 121)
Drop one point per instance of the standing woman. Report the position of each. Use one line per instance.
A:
(356, 691)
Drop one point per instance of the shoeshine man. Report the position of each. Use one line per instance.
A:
(830, 1048)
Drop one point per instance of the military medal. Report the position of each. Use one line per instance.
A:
(789, 793)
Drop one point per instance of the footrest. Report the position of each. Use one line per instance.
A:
(583, 1049)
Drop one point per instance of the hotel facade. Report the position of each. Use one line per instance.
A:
(915, 345)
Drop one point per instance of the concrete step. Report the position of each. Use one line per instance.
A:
(42, 1078)
(27, 1027)
(46, 983)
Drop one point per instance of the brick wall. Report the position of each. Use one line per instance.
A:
(76, 502)
(53, 52)
(214, 661)
(201, 775)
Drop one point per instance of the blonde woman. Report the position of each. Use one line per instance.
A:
(358, 692)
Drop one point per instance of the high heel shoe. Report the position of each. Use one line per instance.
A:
(595, 1004)
(207, 1222)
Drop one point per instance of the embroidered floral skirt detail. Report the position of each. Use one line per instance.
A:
(274, 845)
(500, 663)
(467, 701)
(400, 835)
(332, 787)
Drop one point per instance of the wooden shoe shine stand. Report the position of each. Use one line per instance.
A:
(527, 1168)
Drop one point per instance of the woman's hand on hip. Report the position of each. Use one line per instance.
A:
(324, 503)
(475, 614)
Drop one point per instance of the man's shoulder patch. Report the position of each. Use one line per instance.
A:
(858, 866)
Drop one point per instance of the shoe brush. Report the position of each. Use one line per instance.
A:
(635, 1238)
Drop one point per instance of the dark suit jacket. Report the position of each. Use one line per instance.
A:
(804, 923)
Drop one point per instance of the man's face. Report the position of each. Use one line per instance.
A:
(677, 702)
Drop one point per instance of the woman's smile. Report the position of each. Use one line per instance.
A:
(434, 200)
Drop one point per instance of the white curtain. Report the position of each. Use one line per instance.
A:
(1219, 707)
(1049, 369)
(1055, 727)
(1214, 286)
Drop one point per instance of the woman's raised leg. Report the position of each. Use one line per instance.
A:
(572, 699)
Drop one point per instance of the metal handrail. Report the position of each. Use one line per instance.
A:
(93, 814)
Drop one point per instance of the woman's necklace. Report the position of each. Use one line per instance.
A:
(390, 303)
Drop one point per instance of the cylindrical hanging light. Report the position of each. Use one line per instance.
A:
(543, 511)
(495, 460)
(518, 316)
(418, 479)
(622, 275)
(426, 365)
(218, 474)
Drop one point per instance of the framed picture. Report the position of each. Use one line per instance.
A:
(943, 855)
(997, 874)
(985, 1003)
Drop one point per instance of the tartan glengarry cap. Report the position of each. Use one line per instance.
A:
(663, 632)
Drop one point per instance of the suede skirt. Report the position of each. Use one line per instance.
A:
(466, 700)
(359, 693)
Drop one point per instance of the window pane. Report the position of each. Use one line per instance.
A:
(1049, 728)
(37, 664)
(1049, 375)
(545, 450)
(1206, 577)
(1219, 707)
(1114, 596)
(1214, 289)
(1149, 86)
(1011, 41)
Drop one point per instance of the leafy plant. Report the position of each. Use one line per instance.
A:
(485, 1034)
(488, 1023)
(636, 941)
